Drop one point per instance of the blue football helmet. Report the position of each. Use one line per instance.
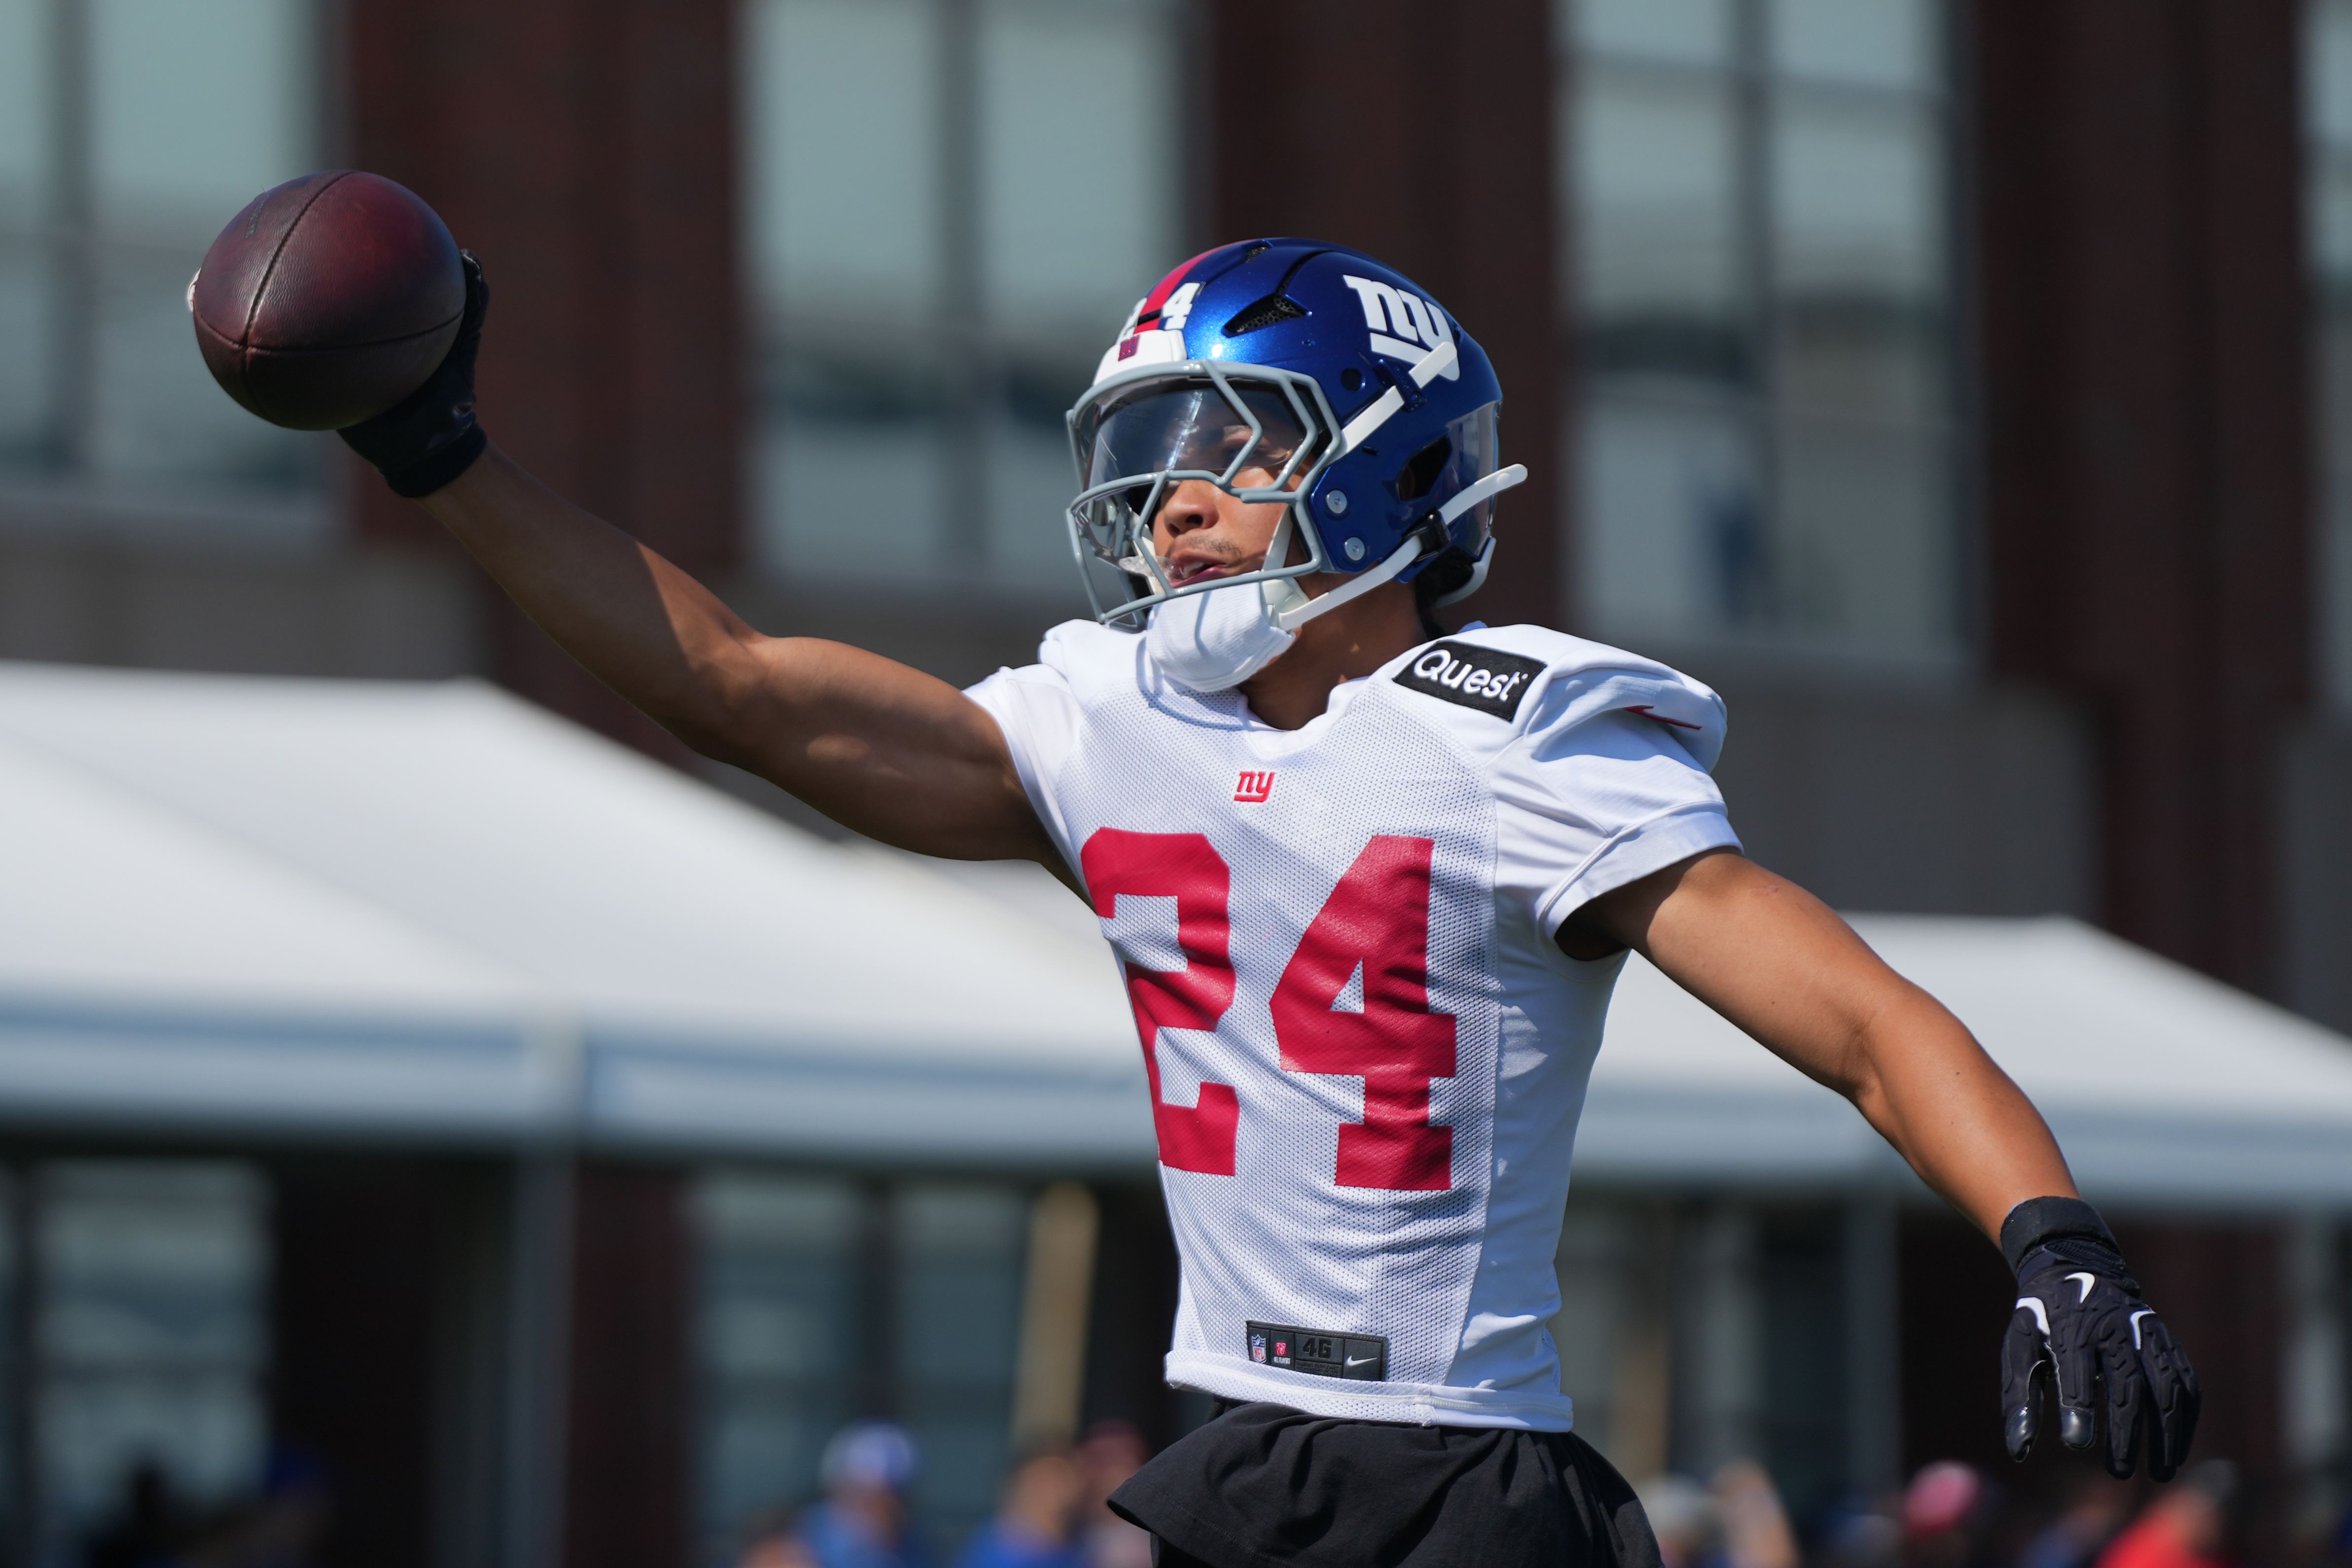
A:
(1334, 382)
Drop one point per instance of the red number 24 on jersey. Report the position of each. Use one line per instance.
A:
(1372, 932)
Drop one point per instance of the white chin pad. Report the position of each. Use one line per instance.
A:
(1217, 639)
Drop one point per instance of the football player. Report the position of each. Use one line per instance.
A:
(1370, 886)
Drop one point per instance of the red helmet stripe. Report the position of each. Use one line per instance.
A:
(1167, 286)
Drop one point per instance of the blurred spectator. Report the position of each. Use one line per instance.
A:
(1110, 1452)
(1755, 1527)
(2184, 1527)
(2077, 1537)
(1948, 1512)
(863, 1521)
(773, 1541)
(1864, 1535)
(2317, 1535)
(282, 1530)
(1940, 1498)
(1036, 1525)
(1682, 1516)
(146, 1525)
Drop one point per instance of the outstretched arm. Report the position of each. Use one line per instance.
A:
(1774, 960)
(1779, 963)
(875, 745)
(878, 747)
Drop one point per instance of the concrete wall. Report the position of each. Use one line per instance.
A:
(90, 582)
(1922, 797)
(2315, 850)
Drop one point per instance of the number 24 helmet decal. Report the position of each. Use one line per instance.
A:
(1285, 370)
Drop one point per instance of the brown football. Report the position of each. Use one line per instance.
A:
(328, 300)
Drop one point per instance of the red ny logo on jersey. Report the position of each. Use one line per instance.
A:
(1252, 788)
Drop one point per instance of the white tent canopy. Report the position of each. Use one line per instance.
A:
(436, 912)
(433, 910)
(2160, 1084)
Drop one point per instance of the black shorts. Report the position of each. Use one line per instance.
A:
(1264, 1486)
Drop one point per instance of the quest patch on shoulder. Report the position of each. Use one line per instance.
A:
(1481, 678)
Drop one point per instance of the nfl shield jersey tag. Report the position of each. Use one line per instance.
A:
(1481, 678)
(1360, 1358)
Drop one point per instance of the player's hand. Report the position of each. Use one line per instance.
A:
(2079, 1325)
(430, 437)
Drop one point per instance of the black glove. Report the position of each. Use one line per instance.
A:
(429, 437)
(2080, 1320)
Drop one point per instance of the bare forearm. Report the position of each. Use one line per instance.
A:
(1778, 964)
(1928, 1087)
(637, 623)
(881, 748)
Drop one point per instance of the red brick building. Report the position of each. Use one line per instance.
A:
(1960, 389)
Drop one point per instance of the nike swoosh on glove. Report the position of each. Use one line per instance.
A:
(429, 437)
(2080, 1322)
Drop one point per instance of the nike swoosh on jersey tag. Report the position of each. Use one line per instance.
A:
(1471, 677)
(1322, 1352)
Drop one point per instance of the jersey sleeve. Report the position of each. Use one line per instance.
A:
(1594, 801)
(1038, 713)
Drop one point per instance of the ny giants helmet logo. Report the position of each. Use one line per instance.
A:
(1403, 326)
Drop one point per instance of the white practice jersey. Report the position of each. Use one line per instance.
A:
(1366, 1053)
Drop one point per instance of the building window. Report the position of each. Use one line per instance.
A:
(2328, 105)
(825, 1299)
(150, 1334)
(958, 1252)
(781, 1308)
(120, 157)
(1756, 238)
(952, 205)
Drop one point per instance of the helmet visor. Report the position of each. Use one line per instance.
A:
(1259, 433)
(1476, 454)
(1247, 437)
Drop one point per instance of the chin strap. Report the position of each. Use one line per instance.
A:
(1477, 579)
(1294, 609)
(1297, 609)
(1492, 485)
